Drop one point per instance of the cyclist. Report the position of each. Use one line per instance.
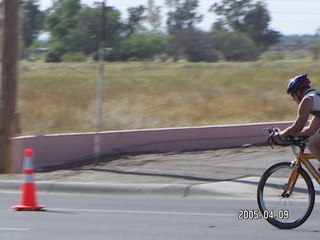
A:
(309, 103)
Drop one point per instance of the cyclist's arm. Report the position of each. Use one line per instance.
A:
(302, 118)
(312, 128)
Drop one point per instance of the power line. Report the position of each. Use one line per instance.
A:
(293, 1)
(288, 12)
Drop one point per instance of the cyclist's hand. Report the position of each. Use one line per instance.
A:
(279, 140)
(286, 137)
(273, 130)
(276, 138)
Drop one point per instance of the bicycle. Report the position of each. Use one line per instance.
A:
(285, 191)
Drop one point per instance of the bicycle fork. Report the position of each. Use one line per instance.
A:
(289, 187)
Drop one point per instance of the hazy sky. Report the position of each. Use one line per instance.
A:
(287, 16)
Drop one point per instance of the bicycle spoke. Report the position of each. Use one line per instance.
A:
(288, 211)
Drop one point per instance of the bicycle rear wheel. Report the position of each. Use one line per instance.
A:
(282, 211)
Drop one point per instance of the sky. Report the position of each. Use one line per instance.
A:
(287, 16)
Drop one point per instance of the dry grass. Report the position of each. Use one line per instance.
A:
(60, 98)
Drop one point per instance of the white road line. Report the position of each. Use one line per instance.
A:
(141, 212)
(13, 229)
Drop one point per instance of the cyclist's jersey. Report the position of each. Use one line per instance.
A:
(315, 94)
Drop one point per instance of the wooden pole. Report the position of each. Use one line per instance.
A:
(9, 82)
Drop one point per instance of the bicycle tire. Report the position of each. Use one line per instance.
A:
(298, 205)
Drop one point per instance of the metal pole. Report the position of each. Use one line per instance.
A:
(9, 82)
(99, 100)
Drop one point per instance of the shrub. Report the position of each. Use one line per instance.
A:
(55, 53)
(53, 56)
(315, 49)
(74, 57)
(271, 56)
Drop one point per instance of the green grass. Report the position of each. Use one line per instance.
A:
(60, 98)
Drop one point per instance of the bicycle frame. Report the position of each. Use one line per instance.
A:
(305, 157)
(302, 158)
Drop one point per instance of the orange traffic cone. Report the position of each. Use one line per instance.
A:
(28, 197)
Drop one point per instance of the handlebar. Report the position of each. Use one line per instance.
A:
(276, 139)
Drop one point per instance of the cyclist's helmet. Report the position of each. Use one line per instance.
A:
(298, 82)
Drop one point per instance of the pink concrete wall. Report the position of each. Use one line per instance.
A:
(57, 149)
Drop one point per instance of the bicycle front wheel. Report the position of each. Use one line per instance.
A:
(282, 211)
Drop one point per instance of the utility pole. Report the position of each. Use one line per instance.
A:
(99, 100)
(9, 82)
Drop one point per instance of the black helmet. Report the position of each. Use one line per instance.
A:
(299, 82)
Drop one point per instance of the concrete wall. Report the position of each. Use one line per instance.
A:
(50, 150)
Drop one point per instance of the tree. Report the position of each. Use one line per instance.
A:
(114, 27)
(256, 25)
(247, 17)
(90, 29)
(135, 19)
(33, 19)
(154, 16)
(182, 15)
(197, 46)
(235, 46)
(232, 13)
(62, 25)
(76, 28)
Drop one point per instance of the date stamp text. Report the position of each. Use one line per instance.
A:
(253, 214)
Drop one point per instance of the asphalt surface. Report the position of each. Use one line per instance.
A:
(224, 172)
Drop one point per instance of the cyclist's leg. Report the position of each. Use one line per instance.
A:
(314, 145)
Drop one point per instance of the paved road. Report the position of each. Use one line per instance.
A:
(173, 196)
(127, 217)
